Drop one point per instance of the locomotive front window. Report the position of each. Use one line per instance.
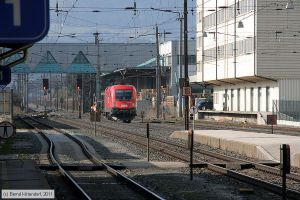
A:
(123, 95)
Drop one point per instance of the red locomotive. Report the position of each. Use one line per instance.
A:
(120, 102)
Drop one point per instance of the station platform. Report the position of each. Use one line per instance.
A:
(252, 144)
(236, 116)
(21, 174)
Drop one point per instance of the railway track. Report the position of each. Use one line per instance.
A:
(218, 126)
(167, 147)
(141, 191)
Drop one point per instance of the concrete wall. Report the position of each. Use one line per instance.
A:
(289, 89)
(278, 40)
(245, 96)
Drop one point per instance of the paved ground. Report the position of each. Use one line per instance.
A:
(257, 145)
(21, 174)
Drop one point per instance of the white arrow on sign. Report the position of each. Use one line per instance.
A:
(6, 130)
(193, 110)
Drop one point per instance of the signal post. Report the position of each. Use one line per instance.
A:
(79, 90)
(45, 89)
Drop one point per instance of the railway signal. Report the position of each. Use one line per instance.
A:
(79, 83)
(45, 84)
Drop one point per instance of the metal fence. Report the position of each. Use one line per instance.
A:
(287, 110)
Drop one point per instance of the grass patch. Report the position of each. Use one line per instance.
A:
(6, 146)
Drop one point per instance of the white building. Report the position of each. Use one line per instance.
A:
(257, 59)
(170, 55)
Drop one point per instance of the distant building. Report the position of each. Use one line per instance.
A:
(112, 56)
(64, 63)
(170, 56)
(249, 51)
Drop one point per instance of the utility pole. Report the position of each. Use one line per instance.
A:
(158, 98)
(180, 68)
(61, 90)
(186, 70)
(50, 89)
(79, 107)
(98, 72)
(26, 92)
(57, 102)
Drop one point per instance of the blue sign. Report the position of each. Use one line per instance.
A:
(5, 75)
(23, 21)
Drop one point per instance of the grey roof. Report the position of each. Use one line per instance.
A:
(21, 69)
(81, 65)
(149, 63)
(48, 64)
(112, 55)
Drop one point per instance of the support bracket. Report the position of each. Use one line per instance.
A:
(14, 50)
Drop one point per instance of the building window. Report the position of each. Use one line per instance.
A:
(199, 17)
(243, 47)
(225, 106)
(243, 6)
(251, 99)
(169, 61)
(199, 42)
(192, 59)
(258, 98)
(232, 99)
(267, 98)
(238, 99)
(199, 67)
(216, 97)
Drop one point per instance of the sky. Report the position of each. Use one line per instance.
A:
(75, 21)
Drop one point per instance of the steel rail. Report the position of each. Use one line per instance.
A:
(51, 155)
(258, 166)
(112, 171)
(276, 189)
(258, 128)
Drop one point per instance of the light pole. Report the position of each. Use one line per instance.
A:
(186, 76)
(79, 108)
(180, 18)
(26, 91)
(180, 68)
(98, 72)
(158, 83)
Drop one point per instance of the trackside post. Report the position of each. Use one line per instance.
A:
(148, 142)
(191, 146)
(285, 166)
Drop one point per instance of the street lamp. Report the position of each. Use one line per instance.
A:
(98, 72)
(290, 5)
(240, 24)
